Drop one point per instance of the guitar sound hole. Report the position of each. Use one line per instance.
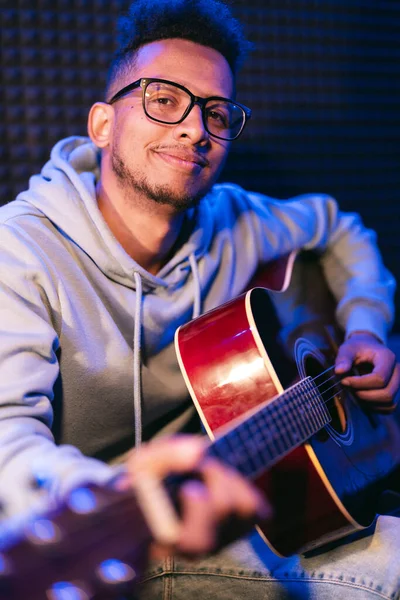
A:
(330, 390)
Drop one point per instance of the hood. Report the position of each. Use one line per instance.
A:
(65, 193)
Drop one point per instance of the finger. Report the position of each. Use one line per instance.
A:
(348, 353)
(344, 360)
(243, 499)
(373, 381)
(386, 396)
(148, 466)
(197, 523)
(198, 519)
(384, 364)
(161, 457)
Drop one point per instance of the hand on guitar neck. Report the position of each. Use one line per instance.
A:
(378, 385)
(204, 502)
(96, 544)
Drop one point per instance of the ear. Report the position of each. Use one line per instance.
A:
(100, 124)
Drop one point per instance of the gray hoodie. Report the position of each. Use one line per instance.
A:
(86, 353)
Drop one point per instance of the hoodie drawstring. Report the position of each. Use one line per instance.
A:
(137, 339)
(197, 286)
(137, 366)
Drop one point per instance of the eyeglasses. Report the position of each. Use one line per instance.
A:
(168, 102)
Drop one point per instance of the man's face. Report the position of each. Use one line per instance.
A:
(174, 165)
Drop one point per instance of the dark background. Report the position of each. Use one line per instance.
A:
(323, 83)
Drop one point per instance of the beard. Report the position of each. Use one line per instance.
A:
(160, 194)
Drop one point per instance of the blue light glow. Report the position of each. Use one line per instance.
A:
(43, 530)
(82, 500)
(63, 590)
(115, 571)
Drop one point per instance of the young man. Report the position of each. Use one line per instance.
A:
(124, 237)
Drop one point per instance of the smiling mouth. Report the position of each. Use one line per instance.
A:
(183, 163)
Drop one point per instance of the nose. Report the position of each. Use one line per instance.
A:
(192, 127)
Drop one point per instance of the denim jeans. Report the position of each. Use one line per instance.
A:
(367, 566)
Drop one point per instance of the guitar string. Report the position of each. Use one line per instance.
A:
(322, 385)
(319, 386)
(337, 384)
(339, 388)
(324, 401)
(282, 431)
(323, 372)
(288, 430)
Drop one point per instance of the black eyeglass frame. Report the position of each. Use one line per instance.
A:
(143, 82)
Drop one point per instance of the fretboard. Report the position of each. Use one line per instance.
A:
(277, 428)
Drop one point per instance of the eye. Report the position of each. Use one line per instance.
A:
(218, 117)
(162, 99)
(163, 96)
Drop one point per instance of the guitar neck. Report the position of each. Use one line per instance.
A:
(254, 443)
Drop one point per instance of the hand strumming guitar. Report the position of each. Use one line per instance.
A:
(380, 386)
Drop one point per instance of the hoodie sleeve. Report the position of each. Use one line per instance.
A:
(353, 266)
(29, 334)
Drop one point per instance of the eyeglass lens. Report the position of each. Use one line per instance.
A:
(168, 103)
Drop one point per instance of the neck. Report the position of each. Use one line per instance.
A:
(147, 232)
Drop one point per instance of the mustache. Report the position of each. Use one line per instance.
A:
(183, 153)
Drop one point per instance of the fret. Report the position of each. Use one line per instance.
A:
(319, 403)
(253, 457)
(281, 425)
(303, 393)
(263, 450)
(222, 449)
(269, 432)
(289, 421)
(267, 448)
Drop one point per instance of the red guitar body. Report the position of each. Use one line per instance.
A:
(233, 361)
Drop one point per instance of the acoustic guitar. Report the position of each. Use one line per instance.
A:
(274, 410)
(235, 360)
